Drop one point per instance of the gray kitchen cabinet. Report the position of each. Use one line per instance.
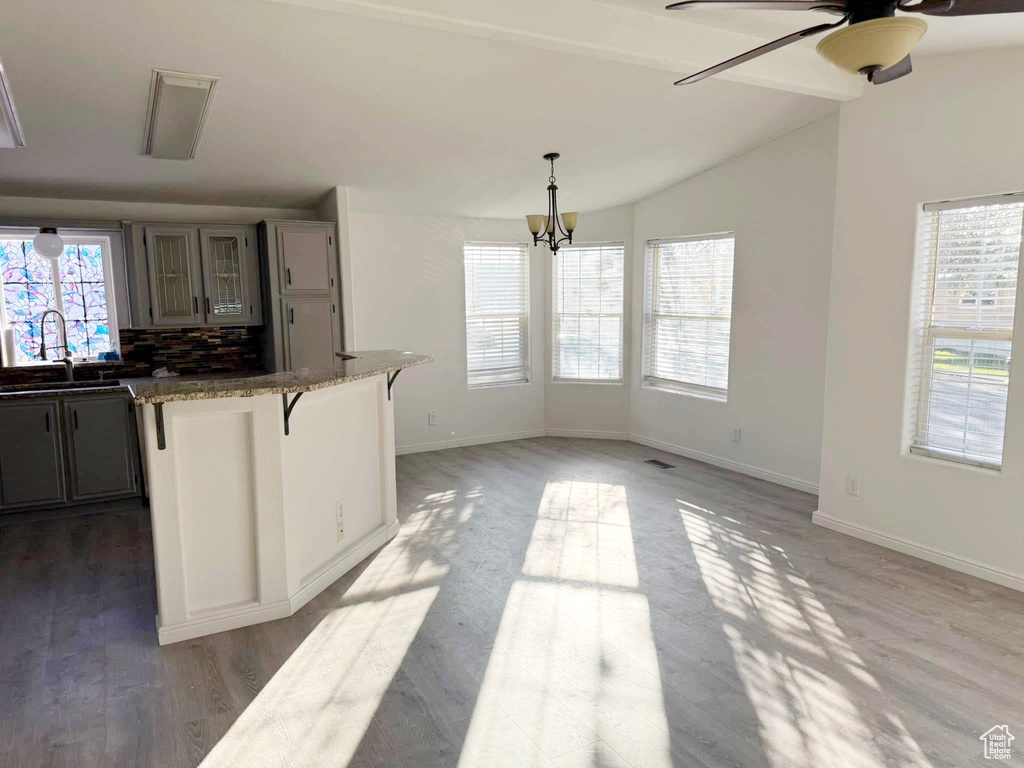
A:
(229, 261)
(301, 291)
(31, 459)
(99, 435)
(304, 258)
(309, 336)
(175, 279)
(183, 275)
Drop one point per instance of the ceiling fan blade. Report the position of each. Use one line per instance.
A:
(964, 7)
(759, 5)
(759, 51)
(896, 71)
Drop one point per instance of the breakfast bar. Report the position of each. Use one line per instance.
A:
(265, 489)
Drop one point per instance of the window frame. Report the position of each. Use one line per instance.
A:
(924, 336)
(556, 316)
(524, 317)
(677, 386)
(103, 238)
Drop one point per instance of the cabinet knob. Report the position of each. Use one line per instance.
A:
(291, 316)
(288, 274)
(195, 304)
(47, 421)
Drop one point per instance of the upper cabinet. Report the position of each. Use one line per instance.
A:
(191, 275)
(172, 261)
(304, 258)
(301, 294)
(230, 277)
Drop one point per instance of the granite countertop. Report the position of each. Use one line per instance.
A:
(362, 365)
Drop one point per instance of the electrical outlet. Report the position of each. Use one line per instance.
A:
(339, 519)
(853, 485)
(432, 419)
(736, 434)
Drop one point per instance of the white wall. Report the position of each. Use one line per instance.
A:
(409, 288)
(950, 130)
(591, 410)
(779, 200)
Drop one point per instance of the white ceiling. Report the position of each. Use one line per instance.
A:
(415, 120)
(949, 35)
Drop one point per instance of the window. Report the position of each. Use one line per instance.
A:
(77, 284)
(688, 314)
(963, 325)
(586, 342)
(497, 313)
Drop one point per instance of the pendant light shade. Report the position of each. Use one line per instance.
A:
(48, 243)
(876, 43)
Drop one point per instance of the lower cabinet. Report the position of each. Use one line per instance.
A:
(31, 456)
(67, 450)
(309, 332)
(101, 459)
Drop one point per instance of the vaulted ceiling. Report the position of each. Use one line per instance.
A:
(419, 106)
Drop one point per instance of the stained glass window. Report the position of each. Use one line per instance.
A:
(74, 284)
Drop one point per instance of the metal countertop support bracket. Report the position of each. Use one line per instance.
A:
(391, 380)
(288, 407)
(161, 438)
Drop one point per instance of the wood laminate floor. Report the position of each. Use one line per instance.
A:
(548, 602)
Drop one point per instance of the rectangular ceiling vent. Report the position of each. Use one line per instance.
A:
(659, 464)
(179, 104)
(11, 136)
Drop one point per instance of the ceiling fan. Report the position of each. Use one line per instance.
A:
(876, 43)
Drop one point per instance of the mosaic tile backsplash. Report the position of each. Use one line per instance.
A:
(187, 351)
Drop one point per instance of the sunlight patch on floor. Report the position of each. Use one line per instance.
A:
(805, 683)
(319, 706)
(557, 649)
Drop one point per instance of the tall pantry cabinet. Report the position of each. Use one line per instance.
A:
(301, 292)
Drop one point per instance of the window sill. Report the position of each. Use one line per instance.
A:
(55, 364)
(495, 384)
(710, 395)
(600, 382)
(947, 457)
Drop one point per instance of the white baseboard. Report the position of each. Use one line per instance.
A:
(735, 466)
(464, 442)
(955, 562)
(257, 614)
(707, 458)
(208, 625)
(401, 450)
(318, 581)
(590, 434)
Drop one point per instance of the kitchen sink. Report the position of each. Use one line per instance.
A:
(60, 386)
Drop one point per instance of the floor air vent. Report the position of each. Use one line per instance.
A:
(659, 464)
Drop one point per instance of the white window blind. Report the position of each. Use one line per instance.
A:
(497, 313)
(587, 319)
(688, 314)
(968, 254)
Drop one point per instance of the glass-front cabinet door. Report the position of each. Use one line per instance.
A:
(226, 278)
(174, 279)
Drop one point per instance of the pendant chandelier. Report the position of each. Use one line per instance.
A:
(557, 229)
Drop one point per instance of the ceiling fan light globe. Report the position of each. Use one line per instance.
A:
(876, 43)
